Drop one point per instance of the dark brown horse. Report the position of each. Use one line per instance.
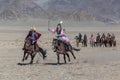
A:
(60, 48)
(29, 50)
(78, 41)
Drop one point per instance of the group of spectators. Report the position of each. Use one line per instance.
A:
(97, 40)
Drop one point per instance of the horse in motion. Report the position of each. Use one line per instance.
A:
(29, 50)
(60, 48)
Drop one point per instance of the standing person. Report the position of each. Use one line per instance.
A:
(80, 37)
(113, 37)
(85, 40)
(103, 36)
(98, 39)
(33, 36)
(113, 40)
(61, 35)
(92, 40)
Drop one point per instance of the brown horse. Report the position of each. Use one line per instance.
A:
(108, 40)
(60, 48)
(29, 50)
(78, 41)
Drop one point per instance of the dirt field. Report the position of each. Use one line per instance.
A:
(91, 63)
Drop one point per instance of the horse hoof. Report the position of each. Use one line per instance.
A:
(44, 57)
(58, 63)
(31, 62)
(22, 60)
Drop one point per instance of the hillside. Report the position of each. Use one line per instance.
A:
(19, 9)
(102, 10)
(76, 10)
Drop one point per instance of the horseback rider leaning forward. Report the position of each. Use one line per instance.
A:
(33, 36)
(61, 35)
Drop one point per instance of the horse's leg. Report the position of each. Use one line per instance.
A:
(72, 54)
(82, 43)
(105, 43)
(32, 57)
(43, 52)
(68, 57)
(111, 43)
(100, 43)
(77, 44)
(58, 58)
(24, 56)
(114, 43)
(86, 43)
(64, 57)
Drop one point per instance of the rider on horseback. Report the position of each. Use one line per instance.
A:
(33, 36)
(61, 35)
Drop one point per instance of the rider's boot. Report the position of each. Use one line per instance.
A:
(69, 47)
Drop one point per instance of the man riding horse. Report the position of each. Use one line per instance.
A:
(33, 36)
(31, 47)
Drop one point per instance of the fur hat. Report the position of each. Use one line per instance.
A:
(33, 28)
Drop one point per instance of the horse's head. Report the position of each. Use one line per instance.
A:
(54, 42)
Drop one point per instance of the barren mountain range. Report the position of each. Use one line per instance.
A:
(78, 10)
(18, 9)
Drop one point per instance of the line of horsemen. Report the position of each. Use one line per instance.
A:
(105, 40)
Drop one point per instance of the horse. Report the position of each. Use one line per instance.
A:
(60, 48)
(78, 41)
(108, 40)
(98, 40)
(29, 50)
(113, 40)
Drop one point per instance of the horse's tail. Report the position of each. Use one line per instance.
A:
(75, 49)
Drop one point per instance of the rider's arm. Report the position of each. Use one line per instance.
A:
(53, 30)
(27, 36)
(37, 35)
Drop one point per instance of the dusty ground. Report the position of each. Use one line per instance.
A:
(91, 63)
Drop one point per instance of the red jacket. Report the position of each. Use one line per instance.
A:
(37, 35)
